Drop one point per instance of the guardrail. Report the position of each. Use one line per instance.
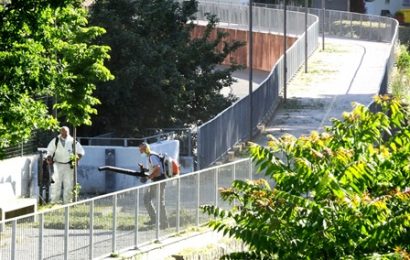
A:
(119, 141)
(113, 222)
(232, 125)
(349, 25)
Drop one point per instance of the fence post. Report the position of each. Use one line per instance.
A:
(285, 43)
(351, 25)
(178, 220)
(189, 142)
(114, 223)
(158, 216)
(41, 237)
(198, 148)
(361, 27)
(91, 250)
(250, 170)
(137, 208)
(13, 239)
(216, 186)
(323, 24)
(306, 36)
(198, 185)
(66, 228)
(234, 171)
(234, 178)
(378, 30)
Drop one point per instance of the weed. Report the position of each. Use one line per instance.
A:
(400, 76)
(297, 103)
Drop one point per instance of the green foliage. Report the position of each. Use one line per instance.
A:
(403, 60)
(164, 77)
(80, 218)
(400, 79)
(340, 194)
(46, 50)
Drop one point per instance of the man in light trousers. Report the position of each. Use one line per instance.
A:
(60, 153)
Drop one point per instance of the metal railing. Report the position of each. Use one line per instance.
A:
(347, 25)
(119, 141)
(231, 126)
(113, 222)
(21, 149)
(185, 136)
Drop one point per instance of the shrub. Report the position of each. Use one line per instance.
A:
(343, 193)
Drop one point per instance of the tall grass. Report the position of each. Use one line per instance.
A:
(400, 79)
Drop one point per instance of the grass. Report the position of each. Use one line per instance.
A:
(79, 218)
(321, 71)
(211, 251)
(363, 24)
(103, 216)
(400, 76)
(296, 103)
(333, 48)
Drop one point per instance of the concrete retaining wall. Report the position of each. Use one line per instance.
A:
(96, 182)
(22, 172)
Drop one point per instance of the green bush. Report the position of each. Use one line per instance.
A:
(340, 194)
(400, 78)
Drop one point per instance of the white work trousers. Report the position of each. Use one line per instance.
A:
(63, 181)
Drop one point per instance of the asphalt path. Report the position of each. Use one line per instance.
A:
(346, 71)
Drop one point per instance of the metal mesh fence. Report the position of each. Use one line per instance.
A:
(232, 125)
(103, 235)
(117, 141)
(115, 222)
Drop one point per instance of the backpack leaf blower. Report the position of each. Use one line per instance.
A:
(143, 172)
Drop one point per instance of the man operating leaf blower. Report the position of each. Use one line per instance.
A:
(156, 173)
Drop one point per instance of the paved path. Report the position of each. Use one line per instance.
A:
(346, 71)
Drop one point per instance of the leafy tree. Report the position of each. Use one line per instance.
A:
(46, 50)
(164, 76)
(340, 194)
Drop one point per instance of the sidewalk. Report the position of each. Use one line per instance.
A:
(346, 71)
